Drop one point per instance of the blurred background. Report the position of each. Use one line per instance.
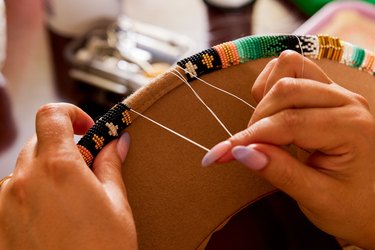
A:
(93, 53)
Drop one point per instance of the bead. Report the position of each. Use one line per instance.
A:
(255, 47)
(99, 141)
(112, 129)
(190, 67)
(87, 156)
(126, 118)
(207, 60)
(104, 130)
(201, 63)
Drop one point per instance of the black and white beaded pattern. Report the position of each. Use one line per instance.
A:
(310, 46)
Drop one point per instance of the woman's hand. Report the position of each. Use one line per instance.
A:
(334, 184)
(54, 201)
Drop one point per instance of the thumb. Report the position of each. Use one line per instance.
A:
(108, 163)
(301, 182)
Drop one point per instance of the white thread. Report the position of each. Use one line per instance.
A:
(182, 78)
(200, 99)
(303, 56)
(179, 75)
(172, 131)
(219, 89)
(302, 73)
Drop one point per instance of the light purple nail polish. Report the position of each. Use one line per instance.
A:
(215, 153)
(123, 146)
(250, 157)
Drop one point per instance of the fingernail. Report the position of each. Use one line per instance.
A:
(215, 153)
(250, 157)
(123, 146)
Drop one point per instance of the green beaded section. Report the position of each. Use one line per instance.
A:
(359, 56)
(256, 47)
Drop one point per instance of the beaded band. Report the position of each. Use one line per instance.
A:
(255, 47)
(229, 54)
(107, 128)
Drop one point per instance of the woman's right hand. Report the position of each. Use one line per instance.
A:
(334, 184)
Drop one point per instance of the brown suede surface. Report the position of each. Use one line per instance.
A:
(177, 204)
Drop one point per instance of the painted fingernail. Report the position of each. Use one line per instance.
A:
(215, 153)
(250, 157)
(123, 146)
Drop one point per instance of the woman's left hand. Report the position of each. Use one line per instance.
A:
(54, 201)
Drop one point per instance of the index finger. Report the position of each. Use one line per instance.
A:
(57, 123)
(309, 128)
(288, 64)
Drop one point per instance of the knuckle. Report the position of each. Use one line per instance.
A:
(272, 63)
(364, 122)
(288, 57)
(261, 82)
(48, 109)
(18, 187)
(242, 137)
(257, 91)
(361, 100)
(290, 118)
(59, 167)
(286, 86)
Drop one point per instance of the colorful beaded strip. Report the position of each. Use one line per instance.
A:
(223, 56)
(255, 47)
(107, 128)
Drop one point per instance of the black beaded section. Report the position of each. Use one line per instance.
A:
(309, 44)
(201, 63)
(114, 117)
(292, 42)
(280, 43)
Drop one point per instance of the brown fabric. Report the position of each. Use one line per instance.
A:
(273, 222)
(177, 204)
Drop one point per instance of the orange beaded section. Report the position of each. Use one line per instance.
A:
(207, 60)
(99, 141)
(220, 50)
(228, 54)
(371, 63)
(87, 156)
(368, 65)
(126, 118)
(234, 51)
